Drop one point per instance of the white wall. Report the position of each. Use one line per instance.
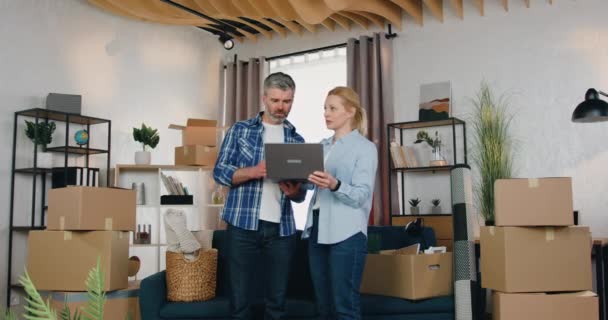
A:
(126, 70)
(545, 56)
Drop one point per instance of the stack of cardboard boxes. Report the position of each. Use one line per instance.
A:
(198, 143)
(537, 263)
(84, 224)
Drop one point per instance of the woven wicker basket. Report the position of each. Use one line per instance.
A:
(189, 281)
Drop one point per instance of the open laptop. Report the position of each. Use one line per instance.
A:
(292, 161)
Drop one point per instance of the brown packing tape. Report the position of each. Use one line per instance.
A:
(549, 233)
(62, 223)
(207, 149)
(186, 151)
(492, 231)
(67, 235)
(108, 224)
(533, 183)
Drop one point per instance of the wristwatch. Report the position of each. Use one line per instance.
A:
(337, 186)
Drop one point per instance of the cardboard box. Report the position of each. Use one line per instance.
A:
(197, 155)
(536, 259)
(91, 208)
(198, 132)
(61, 260)
(118, 303)
(542, 306)
(533, 202)
(408, 276)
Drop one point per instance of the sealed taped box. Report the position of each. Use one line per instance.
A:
(408, 276)
(535, 259)
(91, 208)
(533, 202)
(61, 260)
(196, 155)
(198, 132)
(542, 306)
(119, 303)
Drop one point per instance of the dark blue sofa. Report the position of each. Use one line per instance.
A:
(300, 303)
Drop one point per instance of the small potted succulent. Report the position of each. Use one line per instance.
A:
(414, 209)
(41, 133)
(436, 209)
(147, 137)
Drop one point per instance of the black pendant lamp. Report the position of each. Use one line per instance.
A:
(593, 109)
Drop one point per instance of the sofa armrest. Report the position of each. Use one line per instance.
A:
(152, 296)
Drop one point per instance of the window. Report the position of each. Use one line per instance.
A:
(314, 74)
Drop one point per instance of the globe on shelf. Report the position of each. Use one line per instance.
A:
(81, 137)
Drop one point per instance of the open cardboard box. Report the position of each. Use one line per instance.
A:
(195, 155)
(198, 132)
(408, 276)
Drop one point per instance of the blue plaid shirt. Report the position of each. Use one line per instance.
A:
(243, 146)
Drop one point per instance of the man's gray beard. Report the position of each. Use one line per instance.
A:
(275, 119)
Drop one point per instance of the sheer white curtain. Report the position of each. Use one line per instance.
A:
(314, 74)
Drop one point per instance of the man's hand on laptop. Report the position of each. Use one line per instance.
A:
(290, 188)
(258, 171)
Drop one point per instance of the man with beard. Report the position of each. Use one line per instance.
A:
(258, 210)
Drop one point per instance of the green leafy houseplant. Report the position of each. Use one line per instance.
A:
(39, 309)
(436, 209)
(492, 147)
(146, 136)
(435, 202)
(423, 136)
(40, 133)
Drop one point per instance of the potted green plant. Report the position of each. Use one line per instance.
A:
(437, 158)
(436, 208)
(41, 134)
(147, 136)
(414, 209)
(492, 147)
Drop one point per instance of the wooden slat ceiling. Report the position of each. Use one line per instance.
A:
(250, 19)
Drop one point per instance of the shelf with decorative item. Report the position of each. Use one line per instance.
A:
(423, 169)
(34, 170)
(61, 116)
(425, 124)
(76, 150)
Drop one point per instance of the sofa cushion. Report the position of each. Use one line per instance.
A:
(214, 308)
(383, 305)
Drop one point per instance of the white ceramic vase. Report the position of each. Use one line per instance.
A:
(143, 157)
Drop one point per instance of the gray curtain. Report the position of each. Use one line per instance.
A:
(242, 91)
(369, 73)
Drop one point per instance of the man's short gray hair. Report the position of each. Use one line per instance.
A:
(279, 80)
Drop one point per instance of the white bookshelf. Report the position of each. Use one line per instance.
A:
(201, 215)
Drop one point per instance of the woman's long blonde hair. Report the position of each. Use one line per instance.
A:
(351, 100)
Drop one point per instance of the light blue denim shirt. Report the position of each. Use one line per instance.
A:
(353, 160)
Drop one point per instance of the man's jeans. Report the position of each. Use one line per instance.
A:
(245, 249)
(336, 271)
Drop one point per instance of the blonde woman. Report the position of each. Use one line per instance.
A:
(338, 213)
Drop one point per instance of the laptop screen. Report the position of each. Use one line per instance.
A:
(292, 161)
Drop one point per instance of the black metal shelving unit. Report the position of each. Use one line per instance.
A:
(39, 173)
(397, 130)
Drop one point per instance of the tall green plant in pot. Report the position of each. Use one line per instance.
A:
(147, 136)
(493, 154)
